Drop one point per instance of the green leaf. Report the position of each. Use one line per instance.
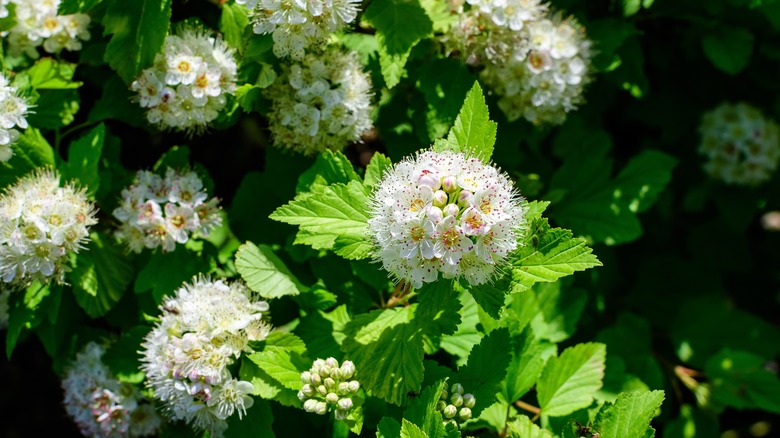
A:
(323, 332)
(391, 336)
(31, 151)
(376, 169)
(569, 381)
(232, 22)
(48, 74)
(100, 276)
(473, 133)
(266, 386)
(329, 168)
(283, 357)
(400, 25)
(692, 423)
(560, 308)
(467, 335)
(729, 48)
(166, 272)
(630, 415)
(388, 428)
(335, 219)
(73, 6)
(522, 427)
(84, 158)
(265, 273)
(55, 109)
(491, 296)
(437, 313)
(740, 379)
(643, 179)
(444, 93)
(122, 356)
(422, 412)
(529, 355)
(258, 422)
(139, 28)
(116, 103)
(410, 430)
(27, 309)
(486, 368)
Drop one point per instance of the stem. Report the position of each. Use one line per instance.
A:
(530, 408)
(75, 128)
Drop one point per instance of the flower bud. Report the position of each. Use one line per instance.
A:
(444, 394)
(308, 390)
(343, 388)
(332, 398)
(428, 178)
(340, 414)
(318, 363)
(464, 414)
(441, 405)
(456, 399)
(321, 408)
(302, 396)
(347, 369)
(469, 401)
(449, 411)
(316, 380)
(457, 387)
(451, 210)
(449, 184)
(331, 362)
(440, 198)
(329, 383)
(324, 371)
(306, 377)
(434, 214)
(310, 405)
(465, 199)
(345, 403)
(322, 390)
(354, 386)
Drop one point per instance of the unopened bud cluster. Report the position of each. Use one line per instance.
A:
(297, 25)
(535, 60)
(204, 327)
(322, 102)
(13, 109)
(444, 212)
(454, 405)
(40, 224)
(102, 406)
(741, 144)
(161, 212)
(37, 24)
(329, 387)
(186, 87)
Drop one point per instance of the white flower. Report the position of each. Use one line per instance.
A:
(299, 24)
(546, 79)
(37, 24)
(40, 224)
(185, 89)
(102, 406)
(13, 109)
(324, 102)
(203, 328)
(160, 212)
(465, 228)
(741, 144)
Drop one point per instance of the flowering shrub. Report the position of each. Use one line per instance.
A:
(417, 218)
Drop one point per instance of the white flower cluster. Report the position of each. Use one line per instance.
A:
(161, 212)
(742, 145)
(40, 224)
(548, 82)
(13, 109)
(37, 23)
(186, 87)
(299, 24)
(455, 407)
(536, 61)
(204, 327)
(329, 387)
(4, 309)
(445, 212)
(323, 102)
(102, 406)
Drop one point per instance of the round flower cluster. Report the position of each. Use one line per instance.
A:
(323, 102)
(445, 212)
(37, 23)
(186, 87)
(40, 223)
(455, 407)
(298, 24)
(490, 30)
(161, 212)
(13, 109)
(4, 294)
(547, 81)
(743, 146)
(102, 406)
(203, 328)
(328, 387)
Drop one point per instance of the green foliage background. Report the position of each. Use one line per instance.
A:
(685, 300)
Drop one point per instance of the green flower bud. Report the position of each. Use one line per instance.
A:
(449, 184)
(444, 395)
(347, 370)
(469, 401)
(302, 396)
(329, 383)
(449, 411)
(439, 198)
(441, 405)
(464, 414)
(457, 387)
(456, 399)
(310, 405)
(332, 398)
(354, 386)
(306, 377)
(307, 390)
(450, 210)
(322, 390)
(465, 199)
(316, 380)
(340, 414)
(345, 404)
(343, 388)
(331, 362)
(321, 408)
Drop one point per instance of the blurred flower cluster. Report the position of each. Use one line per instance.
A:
(13, 109)
(37, 24)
